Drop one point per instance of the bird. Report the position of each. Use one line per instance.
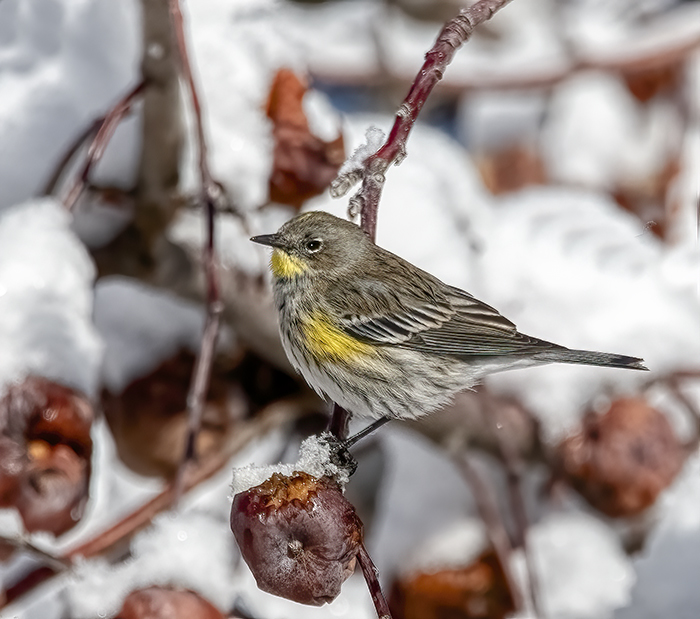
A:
(382, 338)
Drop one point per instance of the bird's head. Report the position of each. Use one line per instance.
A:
(313, 243)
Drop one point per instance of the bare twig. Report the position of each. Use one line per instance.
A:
(496, 532)
(673, 384)
(371, 575)
(99, 143)
(454, 33)
(88, 132)
(507, 79)
(275, 415)
(513, 465)
(209, 187)
(664, 380)
(21, 543)
(210, 193)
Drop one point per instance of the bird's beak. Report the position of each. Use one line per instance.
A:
(271, 240)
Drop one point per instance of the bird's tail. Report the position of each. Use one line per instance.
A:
(587, 357)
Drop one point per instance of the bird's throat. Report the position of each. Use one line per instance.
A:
(285, 266)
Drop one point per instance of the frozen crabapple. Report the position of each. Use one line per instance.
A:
(165, 603)
(621, 460)
(45, 452)
(299, 536)
(477, 590)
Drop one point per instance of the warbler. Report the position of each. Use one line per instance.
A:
(383, 338)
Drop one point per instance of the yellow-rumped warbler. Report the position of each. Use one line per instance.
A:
(382, 338)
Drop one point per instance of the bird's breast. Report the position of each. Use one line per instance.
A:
(327, 342)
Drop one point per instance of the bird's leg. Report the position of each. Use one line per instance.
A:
(375, 425)
(340, 454)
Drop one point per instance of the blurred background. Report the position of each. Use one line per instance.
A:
(553, 173)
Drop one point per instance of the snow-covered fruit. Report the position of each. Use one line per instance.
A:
(299, 536)
(148, 419)
(45, 451)
(621, 460)
(164, 603)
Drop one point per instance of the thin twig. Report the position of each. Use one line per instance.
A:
(60, 168)
(99, 143)
(513, 466)
(275, 415)
(210, 193)
(506, 79)
(209, 187)
(371, 575)
(21, 543)
(495, 530)
(674, 387)
(666, 379)
(454, 33)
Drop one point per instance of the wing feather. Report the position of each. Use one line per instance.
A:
(418, 312)
(460, 326)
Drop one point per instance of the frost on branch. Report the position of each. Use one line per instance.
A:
(299, 536)
(351, 171)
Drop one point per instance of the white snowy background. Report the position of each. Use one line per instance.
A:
(562, 261)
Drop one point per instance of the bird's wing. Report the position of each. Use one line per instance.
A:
(447, 322)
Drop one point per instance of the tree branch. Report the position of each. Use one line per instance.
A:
(100, 141)
(513, 465)
(369, 571)
(507, 79)
(211, 191)
(495, 531)
(454, 33)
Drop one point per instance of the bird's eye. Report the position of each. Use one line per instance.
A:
(313, 245)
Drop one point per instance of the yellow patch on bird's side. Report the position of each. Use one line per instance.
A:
(285, 266)
(327, 342)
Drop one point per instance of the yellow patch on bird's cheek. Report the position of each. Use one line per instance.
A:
(328, 343)
(285, 266)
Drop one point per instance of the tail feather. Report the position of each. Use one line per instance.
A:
(587, 357)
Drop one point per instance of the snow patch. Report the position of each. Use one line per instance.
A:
(314, 458)
(46, 280)
(191, 550)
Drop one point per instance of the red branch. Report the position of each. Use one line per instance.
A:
(506, 79)
(454, 33)
(210, 192)
(495, 530)
(371, 575)
(100, 141)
